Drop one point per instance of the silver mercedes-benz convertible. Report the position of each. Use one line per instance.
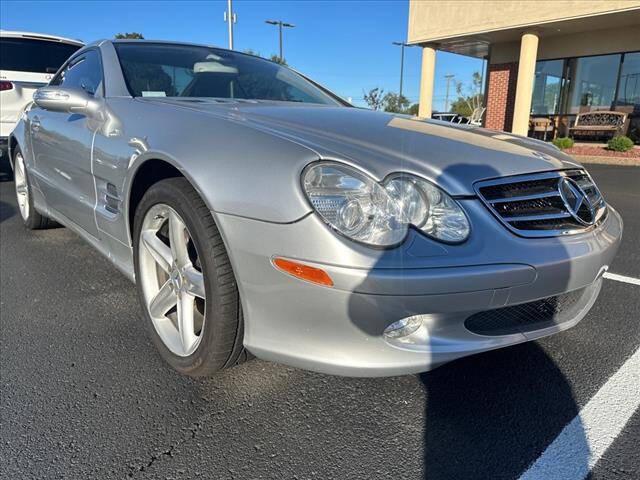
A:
(258, 213)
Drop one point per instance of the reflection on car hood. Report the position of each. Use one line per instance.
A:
(453, 156)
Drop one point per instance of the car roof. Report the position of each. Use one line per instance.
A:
(40, 36)
(167, 42)
(175, 42)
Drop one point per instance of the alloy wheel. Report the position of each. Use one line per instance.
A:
(22, 187)
(172, 280)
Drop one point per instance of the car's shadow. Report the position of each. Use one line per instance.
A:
(491, 415)
(487, 416)
(6, 174)
(6, 211)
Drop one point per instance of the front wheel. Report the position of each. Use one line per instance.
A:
(185, 281)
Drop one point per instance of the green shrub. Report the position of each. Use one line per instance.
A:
(563, 142)
(620, 143)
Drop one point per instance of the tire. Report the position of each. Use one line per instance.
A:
(219, 341)
(31, 218)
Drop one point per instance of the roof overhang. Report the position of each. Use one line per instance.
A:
(477, 44)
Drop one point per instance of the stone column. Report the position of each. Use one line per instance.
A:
(524, 87)
(426, 81)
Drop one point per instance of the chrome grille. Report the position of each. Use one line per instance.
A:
(543, 204)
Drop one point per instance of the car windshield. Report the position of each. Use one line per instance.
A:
(30, 55)
(166, 70)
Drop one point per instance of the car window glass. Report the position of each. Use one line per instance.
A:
(84, 72)
(29, 55)
(161, 70)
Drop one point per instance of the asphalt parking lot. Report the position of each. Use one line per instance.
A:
(85, 395)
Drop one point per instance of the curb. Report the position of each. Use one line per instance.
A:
(620, 161)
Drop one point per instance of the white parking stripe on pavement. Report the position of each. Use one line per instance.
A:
(622, 278)
(574, 452)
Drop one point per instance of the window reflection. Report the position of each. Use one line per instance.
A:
(566, 87)
(628, 100)
(547, 87)
(592, 84)
(629, 85)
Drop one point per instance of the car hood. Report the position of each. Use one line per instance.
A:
(452, 156)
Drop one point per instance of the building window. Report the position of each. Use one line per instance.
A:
(629, 85)
(547, 87)
(628, 100)
(566, 87)
(592, 83)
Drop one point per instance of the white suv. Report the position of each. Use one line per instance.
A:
(27, 62)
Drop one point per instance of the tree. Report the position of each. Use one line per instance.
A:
(147, 77)
(469, 98)
(395, 103)
(374, 98)
(462, 107)
(413, 109)
(274, 58)
(277, 59)
(132, 36)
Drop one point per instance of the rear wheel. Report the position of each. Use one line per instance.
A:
(185, 281)
(32, 219)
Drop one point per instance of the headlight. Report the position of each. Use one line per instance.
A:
(360, 208)
(430, 209)
(354, 204)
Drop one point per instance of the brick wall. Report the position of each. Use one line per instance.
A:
(501, 96)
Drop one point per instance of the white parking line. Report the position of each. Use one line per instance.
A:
(622, 278)
(582, 442)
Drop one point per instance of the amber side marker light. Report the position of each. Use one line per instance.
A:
(303, 272)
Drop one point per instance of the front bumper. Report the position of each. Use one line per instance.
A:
(339, 330)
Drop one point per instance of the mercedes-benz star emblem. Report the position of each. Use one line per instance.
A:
(576, 201)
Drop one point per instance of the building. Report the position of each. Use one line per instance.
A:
(553, 58)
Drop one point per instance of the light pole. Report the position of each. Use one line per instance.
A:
(280, 24)
(401, 45)
(230, 18)
(446, 95)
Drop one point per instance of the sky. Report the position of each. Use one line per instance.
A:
(344, 45)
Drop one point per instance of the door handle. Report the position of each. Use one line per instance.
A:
(35, 124)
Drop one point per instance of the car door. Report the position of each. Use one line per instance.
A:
(62, 146)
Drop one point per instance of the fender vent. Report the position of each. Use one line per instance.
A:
(112, 200)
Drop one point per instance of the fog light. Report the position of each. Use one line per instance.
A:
(403, 327)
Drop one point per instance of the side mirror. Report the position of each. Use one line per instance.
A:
(58, 99)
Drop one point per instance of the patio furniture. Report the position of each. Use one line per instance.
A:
(598, 124)
(444, 116)
(541, 127)
(475, 118)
